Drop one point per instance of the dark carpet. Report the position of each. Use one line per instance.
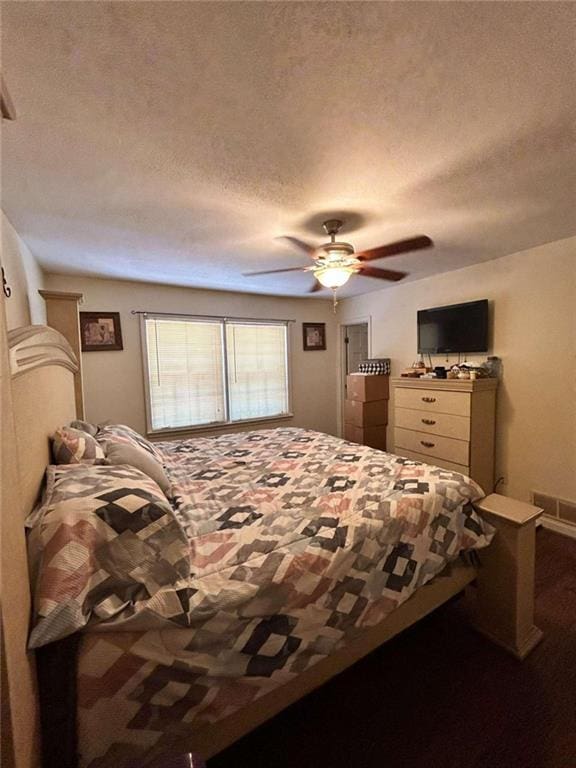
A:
(441, 696)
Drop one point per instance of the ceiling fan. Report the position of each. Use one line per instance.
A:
(335, 262)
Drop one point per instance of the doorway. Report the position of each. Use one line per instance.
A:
(355, 341)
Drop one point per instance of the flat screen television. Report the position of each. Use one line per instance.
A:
(457, 328)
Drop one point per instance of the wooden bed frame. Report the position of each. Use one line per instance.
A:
(39, 373)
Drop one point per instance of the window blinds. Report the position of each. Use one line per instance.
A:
(185, 372)
(257, 370)
(216, 371)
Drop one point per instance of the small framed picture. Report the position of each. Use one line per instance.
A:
(314, 336)
(100, 331)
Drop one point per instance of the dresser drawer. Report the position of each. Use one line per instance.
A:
(433, 445)
(435, 462)
(433, 400)
(444, 424)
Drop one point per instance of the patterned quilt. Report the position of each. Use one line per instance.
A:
(298, 541)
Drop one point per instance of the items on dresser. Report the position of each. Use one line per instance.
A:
(366, 409)
(449, 423)
(415, 372)
(418, 368)
(492, 367)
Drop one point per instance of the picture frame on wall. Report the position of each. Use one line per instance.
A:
(314, 336)
(100, 331)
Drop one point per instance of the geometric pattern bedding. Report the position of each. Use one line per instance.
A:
(104, 544)
(120, 433)
(298, 541)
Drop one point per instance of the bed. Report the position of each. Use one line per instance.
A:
(305, 553)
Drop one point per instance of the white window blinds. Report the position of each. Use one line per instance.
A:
(257, 370)
(202, 372)
(185, 373)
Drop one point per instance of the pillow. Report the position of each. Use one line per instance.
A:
(107, 546)
(120, 433)
(72, 446)
(85, 426)
(124, 453)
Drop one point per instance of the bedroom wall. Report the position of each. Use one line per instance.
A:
(534, 332)
(24, 277)
(113, 381)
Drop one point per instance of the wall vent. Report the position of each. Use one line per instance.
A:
(559, 514)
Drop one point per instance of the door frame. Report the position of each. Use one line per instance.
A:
(363, 319)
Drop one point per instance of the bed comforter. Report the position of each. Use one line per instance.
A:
(298, 541)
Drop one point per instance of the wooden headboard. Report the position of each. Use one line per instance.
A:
(38, 368)
(42, 367)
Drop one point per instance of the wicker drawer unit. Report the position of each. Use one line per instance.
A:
(366, 409)
(371, 414)
(365, 388)
(375, 437)
(448, 423)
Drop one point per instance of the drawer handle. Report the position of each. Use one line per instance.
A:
(426, 444)
(430, 422)
(428, 399)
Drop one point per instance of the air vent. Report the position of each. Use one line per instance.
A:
(548, 503)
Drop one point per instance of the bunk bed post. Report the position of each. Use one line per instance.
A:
(502, 597)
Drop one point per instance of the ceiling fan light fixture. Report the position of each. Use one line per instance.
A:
(333, 277)
(335, 262)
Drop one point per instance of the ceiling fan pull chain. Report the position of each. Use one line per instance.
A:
(335, 300)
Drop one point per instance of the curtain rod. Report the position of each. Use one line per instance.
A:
(210, 317)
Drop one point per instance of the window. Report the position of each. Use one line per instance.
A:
(203, 372)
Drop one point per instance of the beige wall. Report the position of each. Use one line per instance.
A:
(533, 295)
(113, 381)
(24, 277)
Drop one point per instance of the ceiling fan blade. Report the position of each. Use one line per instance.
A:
(382, 274)
(300, 244)
(316, 287)
(393, 249)
(274, 271)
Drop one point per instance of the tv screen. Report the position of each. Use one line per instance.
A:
(457, 328)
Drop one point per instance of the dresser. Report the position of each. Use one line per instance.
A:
(449, 423)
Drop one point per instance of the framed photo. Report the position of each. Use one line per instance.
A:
(100, 331)
(314, 336)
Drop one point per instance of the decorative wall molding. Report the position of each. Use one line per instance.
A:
(35, 346)
(559, 526)
(61, 295)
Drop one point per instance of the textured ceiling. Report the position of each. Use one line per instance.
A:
(172, 141)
